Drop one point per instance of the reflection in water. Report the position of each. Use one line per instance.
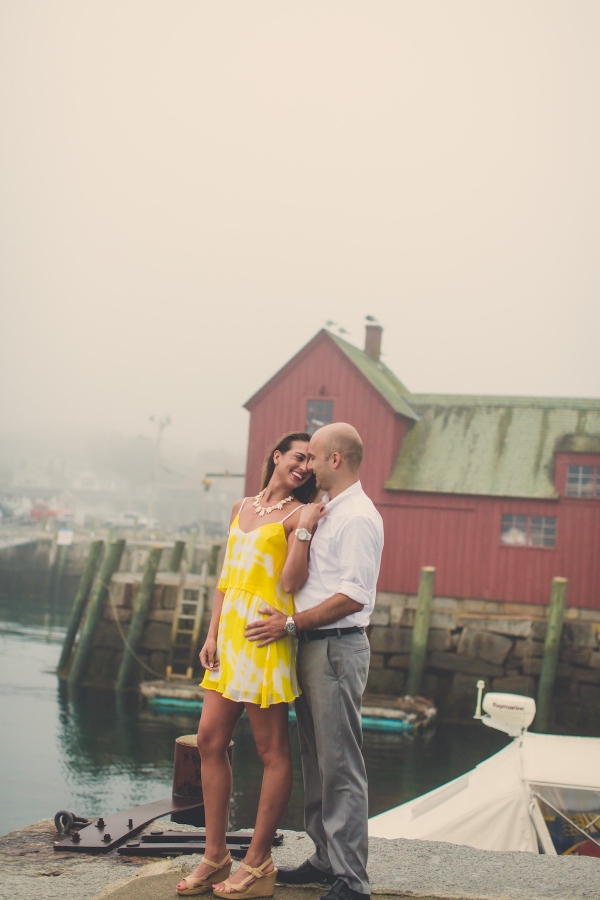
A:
(110, 756)
(93, 753)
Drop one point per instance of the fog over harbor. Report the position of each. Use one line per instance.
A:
(188, 192)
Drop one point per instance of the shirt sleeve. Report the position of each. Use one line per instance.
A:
(359, 548)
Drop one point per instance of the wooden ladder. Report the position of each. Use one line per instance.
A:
(187, 621)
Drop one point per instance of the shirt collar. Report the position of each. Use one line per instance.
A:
(353, 489)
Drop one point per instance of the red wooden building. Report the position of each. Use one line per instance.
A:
(499, 493)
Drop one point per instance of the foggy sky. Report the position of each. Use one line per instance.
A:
(188, 190)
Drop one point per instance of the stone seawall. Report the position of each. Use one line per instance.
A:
(153, 650)
(499, 642)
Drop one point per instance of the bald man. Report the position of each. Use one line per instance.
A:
(337, 549)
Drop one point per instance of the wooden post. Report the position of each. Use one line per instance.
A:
(50, 577)
(176, 556)
(138, 619)
(59, 566)
(191, 551)
(110, 564)
(79, 603)
(418, 647)
(213, 558)
(556, 614)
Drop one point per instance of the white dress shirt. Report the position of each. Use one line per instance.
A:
(345, 554)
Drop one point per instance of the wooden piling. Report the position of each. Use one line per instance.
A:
(176, 556)
(79, 603)
(50, 577)
(110, 564)
(191, 551)
(556, 613)
(138, 619)
(418, 647)
(59, 567)
(213, 559)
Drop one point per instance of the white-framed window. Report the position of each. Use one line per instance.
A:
(528, 531)
(583, 481)
(318, 413)
(542, 531)
(514, 530)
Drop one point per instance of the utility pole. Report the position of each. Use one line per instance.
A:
(161, 424)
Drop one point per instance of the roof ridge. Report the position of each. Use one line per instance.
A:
(504, 400)
(383, 367)
(380, 376)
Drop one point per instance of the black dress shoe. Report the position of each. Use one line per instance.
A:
(339, 890)
(305, 873)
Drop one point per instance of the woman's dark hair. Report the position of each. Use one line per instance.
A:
(307, 492)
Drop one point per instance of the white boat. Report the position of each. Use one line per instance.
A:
(540, 794)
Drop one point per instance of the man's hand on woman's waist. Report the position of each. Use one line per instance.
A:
(267, 630)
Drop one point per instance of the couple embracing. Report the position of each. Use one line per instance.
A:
(288, 623)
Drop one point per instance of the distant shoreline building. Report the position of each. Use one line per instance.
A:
(499, 493)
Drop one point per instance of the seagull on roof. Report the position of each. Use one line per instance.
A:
(343, 331)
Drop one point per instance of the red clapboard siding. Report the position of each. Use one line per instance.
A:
(460, 535)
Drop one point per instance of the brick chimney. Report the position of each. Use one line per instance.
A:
(373, 341)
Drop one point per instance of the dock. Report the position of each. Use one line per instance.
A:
(398, 868)
(18, 536)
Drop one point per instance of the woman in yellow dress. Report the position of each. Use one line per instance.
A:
(241, 674)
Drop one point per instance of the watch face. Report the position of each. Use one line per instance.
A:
(303, 534)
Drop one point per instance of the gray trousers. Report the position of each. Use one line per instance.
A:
(333, 675)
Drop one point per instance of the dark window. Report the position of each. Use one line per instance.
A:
(318, 413)
(528, 531)
(580, 481)
(542, 531)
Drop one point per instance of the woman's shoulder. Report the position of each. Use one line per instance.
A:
(235, 509)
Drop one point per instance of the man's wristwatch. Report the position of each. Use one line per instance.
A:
(303, 534)
(290, 626)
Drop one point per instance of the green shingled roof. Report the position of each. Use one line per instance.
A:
(497, 446)
(379, 376)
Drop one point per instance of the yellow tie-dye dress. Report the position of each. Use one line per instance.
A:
(251, 578)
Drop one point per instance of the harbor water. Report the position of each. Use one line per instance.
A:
(92, 753)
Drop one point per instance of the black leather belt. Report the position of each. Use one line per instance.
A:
(322, 633)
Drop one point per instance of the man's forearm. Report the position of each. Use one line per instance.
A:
(332, 610)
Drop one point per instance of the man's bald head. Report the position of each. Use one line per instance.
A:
(340, 438)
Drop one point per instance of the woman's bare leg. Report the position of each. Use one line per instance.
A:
(217, 723)
(270, 728)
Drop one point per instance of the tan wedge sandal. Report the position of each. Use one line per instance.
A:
(202, 885)
(262, 887)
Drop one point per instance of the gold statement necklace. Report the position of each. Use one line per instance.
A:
(261, 510)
